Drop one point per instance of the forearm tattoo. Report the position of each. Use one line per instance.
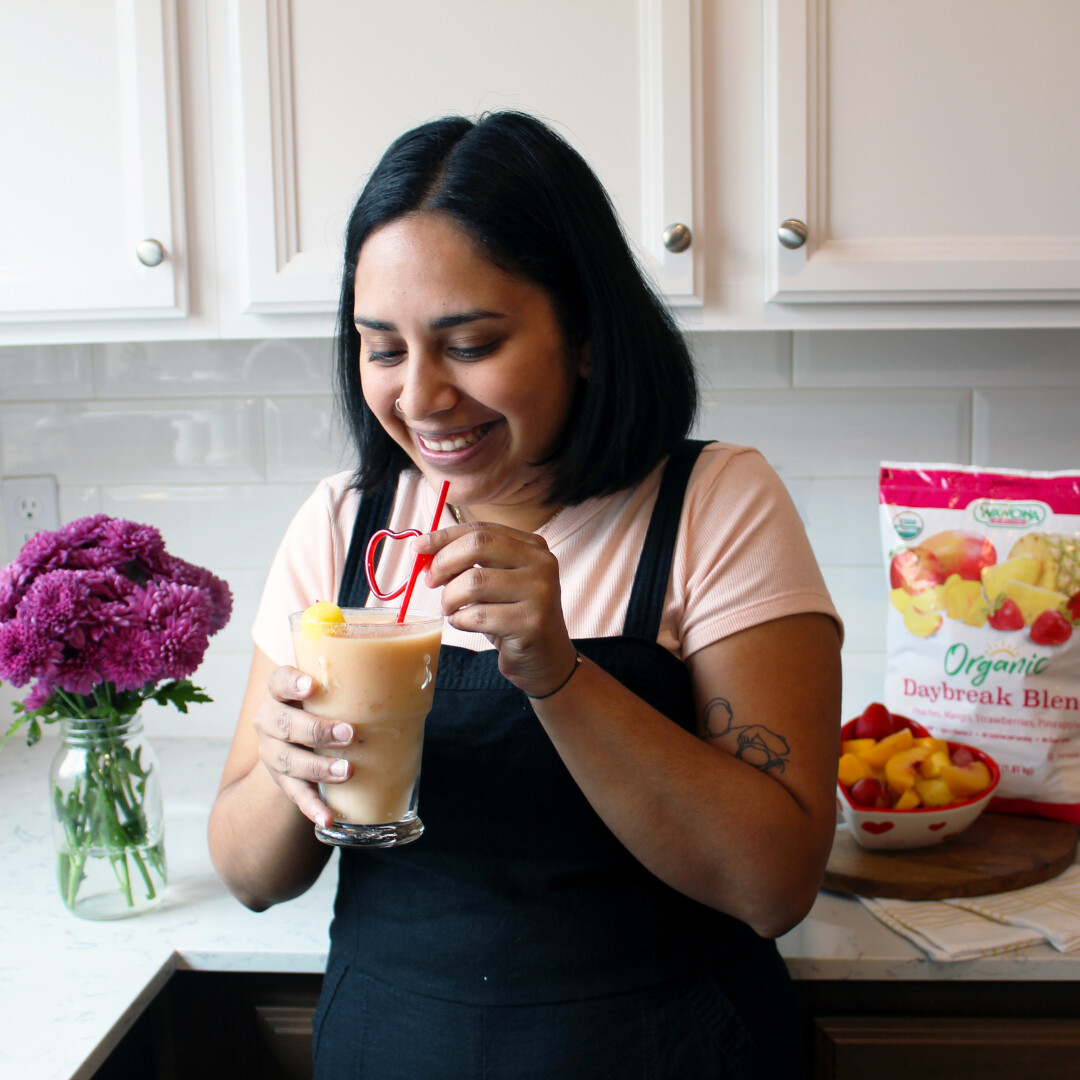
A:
(752, 743)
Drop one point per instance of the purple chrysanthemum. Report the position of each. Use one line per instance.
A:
(84, 532)
(101, 601)
(128, 658)
(80, 672)
(54, 604)
(129, 542)
(26, 654)
(177, 616)
(218, 592)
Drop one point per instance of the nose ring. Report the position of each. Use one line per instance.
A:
(397, 407)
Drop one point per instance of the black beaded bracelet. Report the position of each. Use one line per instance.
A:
(540, 697)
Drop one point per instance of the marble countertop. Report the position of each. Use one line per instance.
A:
(70, 989)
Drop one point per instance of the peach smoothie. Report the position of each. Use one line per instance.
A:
(379, 676)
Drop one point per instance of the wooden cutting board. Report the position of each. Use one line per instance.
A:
(997, 853)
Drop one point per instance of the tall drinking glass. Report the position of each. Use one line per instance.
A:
(379, 676)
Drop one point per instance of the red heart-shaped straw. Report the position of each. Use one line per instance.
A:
(423, 560)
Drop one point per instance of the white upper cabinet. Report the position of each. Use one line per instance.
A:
(319, 89)
(930, 147)
(91, 182)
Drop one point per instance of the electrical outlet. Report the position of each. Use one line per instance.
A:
(30, 505)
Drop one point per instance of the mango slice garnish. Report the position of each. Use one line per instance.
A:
(316, 618)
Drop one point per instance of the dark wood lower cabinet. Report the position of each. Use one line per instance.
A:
(947, 1030)
(222, 1026)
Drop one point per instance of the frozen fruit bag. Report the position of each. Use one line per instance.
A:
(983, 631)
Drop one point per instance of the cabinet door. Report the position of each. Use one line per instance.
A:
(91, 180)
(930, 149)
(324, 86)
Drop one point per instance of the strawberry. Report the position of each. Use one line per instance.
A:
(1051, 628)
(1072, 606)
(1007, 617)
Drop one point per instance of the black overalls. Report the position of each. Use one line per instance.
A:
(517, 937)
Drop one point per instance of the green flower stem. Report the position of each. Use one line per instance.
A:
(104, 811)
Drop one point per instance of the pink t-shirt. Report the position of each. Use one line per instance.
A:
(741, 558)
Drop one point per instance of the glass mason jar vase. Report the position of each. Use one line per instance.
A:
(108, 826)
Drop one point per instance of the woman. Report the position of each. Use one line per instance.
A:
(629, 767)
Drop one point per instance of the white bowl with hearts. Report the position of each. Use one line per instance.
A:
(924, 826)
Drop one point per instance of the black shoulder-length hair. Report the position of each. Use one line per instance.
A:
(534, 207)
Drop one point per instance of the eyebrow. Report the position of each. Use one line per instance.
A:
(443, 322)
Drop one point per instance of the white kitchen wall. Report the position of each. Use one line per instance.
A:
(217, 443)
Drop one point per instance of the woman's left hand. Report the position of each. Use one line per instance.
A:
(504, 584)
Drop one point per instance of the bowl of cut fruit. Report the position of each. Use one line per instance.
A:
(900, 787)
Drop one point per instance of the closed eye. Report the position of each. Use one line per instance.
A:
(389, 356)
(473, 352)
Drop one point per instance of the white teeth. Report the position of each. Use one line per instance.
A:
(459, 442)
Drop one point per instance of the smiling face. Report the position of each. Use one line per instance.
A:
(474, 359)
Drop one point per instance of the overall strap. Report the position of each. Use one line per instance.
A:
(373, 514)
(646, 605)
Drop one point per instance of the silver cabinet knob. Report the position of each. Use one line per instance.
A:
(792, 233)
(150, 252)
(677, 237)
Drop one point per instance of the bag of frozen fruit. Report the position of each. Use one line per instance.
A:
(983, 633)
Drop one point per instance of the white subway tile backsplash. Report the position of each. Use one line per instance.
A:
(46, 372)
(304, 440)
(860, 594)
(111, 441)
(841, 433)
(1036, 428)
(223, 526)
(840, 516)
(743, 360)
(214, 367)
(864, 681)
(925, 358)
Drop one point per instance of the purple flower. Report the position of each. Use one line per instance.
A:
(79, 673)
(219, 593)
(26, 654)
(128, 658)
(128, 542)
(101, 601)
(178, 618)
(11, 576)
(84, 532)
(54, 604)
(42, 552)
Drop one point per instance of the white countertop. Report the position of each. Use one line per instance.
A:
(70, 989)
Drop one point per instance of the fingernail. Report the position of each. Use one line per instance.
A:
(342, 733)
(339, 767)
(303, 684)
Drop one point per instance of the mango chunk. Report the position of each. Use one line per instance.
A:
(934, 792)
(316, 617)
(908, 800)
(856, 746)
(852, 769)
(933, 763)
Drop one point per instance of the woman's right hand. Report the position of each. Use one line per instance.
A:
(288, 737)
